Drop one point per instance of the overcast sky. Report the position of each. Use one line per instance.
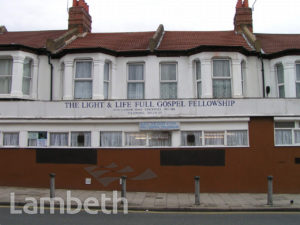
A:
(269, 16)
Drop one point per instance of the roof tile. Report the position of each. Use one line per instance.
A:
(184, 40)
(114, 41)
(272, 43)
(139, 41)
(34, 39)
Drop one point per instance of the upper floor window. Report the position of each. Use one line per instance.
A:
(62, 77)
(37, 138)
(298, 80)
(243, 77)
(136, 86)
(5, 75)
(11, 139)
(280, 80)
(198, 78)
(221, 78)
(83, 81)
(110, 139)
(287, 133)
(168, 80)
(27, 76)
(191, 138)
(80, 139)
(151, 139)
(215, 138)
(106, 83)
(237, 137)
(59, 139)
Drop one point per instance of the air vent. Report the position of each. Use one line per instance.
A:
(190, 139)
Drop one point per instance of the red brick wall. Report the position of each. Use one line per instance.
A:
(245, 170)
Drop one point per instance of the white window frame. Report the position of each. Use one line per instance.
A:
(222, 78)
(47, 139)
(70, 139)
(136, 81)
(191, 132)
(10, 132)
(198, 81)
(295, 128)
(10, 76)
(105, 131)
(243, 77)
(62, 79)
(136, 132)
(247, 135)
(59, 132)
(215, 131)
(294, 134)
(147, 135)
(27, 77)
(69, 133)
(297, 81)
(225, 132)
(168, 81)
(107, 81)
(277, 80)
(83, 79)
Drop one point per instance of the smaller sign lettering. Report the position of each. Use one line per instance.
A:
(159, 126)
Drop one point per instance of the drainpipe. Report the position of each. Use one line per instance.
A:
(51, 76)
(263, 74)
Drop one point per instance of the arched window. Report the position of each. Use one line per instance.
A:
(6, 64)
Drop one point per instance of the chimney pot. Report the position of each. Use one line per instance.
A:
(86, 7)
(239, 4)
(81, 3)
(246, 4)
(74, 3)
(3, 29)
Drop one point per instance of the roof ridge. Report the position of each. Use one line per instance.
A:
(28, 31)
(195, 31)
(134, 32)
(275, 34)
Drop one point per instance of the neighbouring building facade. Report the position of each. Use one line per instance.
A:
(158, 107)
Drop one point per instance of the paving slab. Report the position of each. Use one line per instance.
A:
(166, 201)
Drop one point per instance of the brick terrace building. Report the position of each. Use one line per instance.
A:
(159, 107)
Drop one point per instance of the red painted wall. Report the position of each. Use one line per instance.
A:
(245, 170)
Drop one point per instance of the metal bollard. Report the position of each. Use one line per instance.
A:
(123, 183)
(197, 190)
(52, 185)
(270, 190)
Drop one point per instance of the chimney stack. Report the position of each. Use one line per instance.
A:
(243, 16)
(79, 17)
(3, 30)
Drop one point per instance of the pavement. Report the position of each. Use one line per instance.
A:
(146, 201)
